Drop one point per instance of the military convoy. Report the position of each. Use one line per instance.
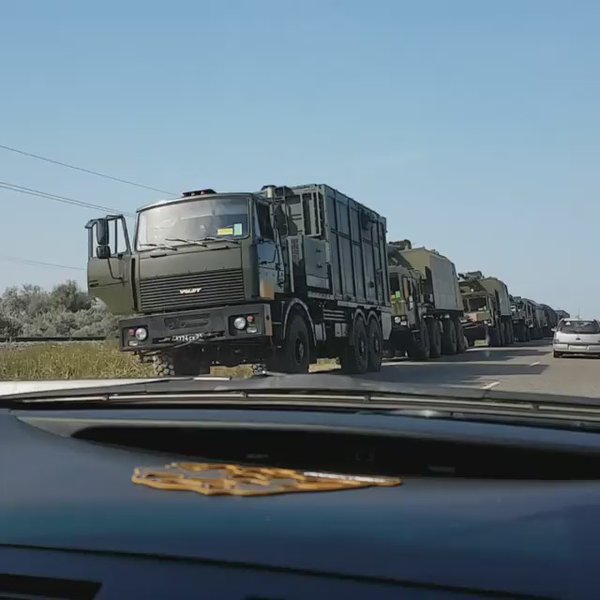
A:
(285, 276)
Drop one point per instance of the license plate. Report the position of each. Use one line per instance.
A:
(187, 337)
(578, 347)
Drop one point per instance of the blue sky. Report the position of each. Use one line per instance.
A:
(473, 126)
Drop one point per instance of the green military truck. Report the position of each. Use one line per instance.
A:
(280, 277)
(426, 303)
(523, 318)
(488, 314)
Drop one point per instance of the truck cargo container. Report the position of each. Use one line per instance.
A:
(282, 277)
(426, 303)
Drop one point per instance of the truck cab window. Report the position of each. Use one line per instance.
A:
(263, 217)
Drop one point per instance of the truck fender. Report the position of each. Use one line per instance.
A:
(296, 305)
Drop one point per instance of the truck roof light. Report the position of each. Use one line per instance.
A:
(199, 193)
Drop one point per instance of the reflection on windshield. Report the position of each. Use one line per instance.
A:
(189, 222)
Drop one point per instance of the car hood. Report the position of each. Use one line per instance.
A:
(61, 492)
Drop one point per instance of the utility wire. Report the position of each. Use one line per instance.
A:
(64, 199)
(83, 170)
(27, 261)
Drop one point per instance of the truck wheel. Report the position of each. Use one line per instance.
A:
(294, 355)
(354, 359)
(435, 339)
(449, 338)
(461, 340)
(375, 348)
(179, 364)
(493, 337)
(419, 350)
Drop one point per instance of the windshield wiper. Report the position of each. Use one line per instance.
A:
(150, 245)
(211, 238)
(187, 241)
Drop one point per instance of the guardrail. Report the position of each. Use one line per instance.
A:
(48, 339)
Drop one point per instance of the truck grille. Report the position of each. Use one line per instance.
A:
(166, 293)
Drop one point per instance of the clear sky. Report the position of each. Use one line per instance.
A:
(473, 126)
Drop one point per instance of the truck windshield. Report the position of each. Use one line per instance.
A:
(179, 223)
(475, 304)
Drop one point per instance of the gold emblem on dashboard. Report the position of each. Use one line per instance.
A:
(238, 480)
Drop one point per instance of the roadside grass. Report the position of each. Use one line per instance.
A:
(90, 360)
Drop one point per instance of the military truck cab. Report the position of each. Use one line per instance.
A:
(426, 303)
(488, 314)
(282, 276)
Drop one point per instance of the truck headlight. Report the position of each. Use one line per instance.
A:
(397, 320)
(240, 323)
(141, 334)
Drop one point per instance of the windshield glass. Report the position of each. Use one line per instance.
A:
(580, 327)
(178, 223)
(475, 304)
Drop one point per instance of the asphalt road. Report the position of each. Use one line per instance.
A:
(523, 367)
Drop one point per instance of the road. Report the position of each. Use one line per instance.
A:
(522, 367)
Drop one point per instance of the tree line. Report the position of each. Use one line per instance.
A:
(65, 310)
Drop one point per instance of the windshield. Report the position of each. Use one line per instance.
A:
(180, 223)
(475, 304)
(580, 327)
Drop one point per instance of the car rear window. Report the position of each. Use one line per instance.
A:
(580, 327)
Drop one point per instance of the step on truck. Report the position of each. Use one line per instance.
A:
(279, 277)
(488, 314)
(426, 303)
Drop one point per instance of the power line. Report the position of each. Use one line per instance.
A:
(83, 170)
(28, 261)
(56, 198)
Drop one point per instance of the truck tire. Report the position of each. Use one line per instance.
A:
(501, 333)
(461, 340)
(493, 337)
(294, 355)
(419, 350)
(179, 364)
(375, 348)
(435, 339)
(511, 332)
(354, 359)
(449, 337)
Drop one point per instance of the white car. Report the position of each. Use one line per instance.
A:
(576, 336)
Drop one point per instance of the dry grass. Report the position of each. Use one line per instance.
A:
(90, 361)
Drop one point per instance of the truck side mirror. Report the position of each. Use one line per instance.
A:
(102, 234)
(103, 251)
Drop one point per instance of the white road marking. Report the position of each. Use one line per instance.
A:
(489, 386)
(533, 364)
